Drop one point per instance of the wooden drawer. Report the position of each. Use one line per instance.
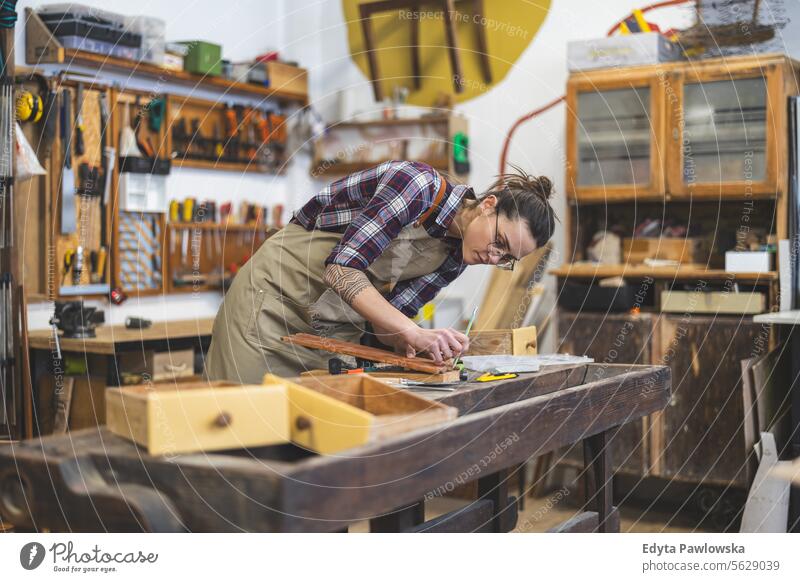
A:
(328, 414)
(712, 302)
(173, 364)
(182, 418)
(517, 342)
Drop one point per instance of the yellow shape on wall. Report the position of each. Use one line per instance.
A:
(510, 27)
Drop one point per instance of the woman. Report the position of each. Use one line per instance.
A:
(373, 247)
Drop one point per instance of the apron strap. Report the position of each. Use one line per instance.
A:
(437, 202)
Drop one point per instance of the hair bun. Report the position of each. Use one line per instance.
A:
(542, 186)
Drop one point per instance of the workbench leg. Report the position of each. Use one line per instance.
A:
(400, 520)
(495, 488)
(598, 478)
(112, 371)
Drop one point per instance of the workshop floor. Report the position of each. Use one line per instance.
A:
(541, 514)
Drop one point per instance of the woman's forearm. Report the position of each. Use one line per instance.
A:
(354, 287)
(388, 322)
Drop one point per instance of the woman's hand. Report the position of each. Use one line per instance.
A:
(440, 344)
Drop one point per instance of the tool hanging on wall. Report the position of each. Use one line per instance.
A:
(6, 160)
(80, 147)
(156, 110)
(144, 145)
(29, 107)
(67, 175)
(139, 250)
(7, 352)
(127, 138)
(109, 160)
(39, 108)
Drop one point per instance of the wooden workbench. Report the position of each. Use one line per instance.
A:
(106, 357)
(92, 480)
(114, 338)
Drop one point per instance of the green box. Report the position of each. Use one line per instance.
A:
(203, 58)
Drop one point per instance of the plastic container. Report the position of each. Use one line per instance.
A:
(99, 47)
(203, 58)
(153, 37)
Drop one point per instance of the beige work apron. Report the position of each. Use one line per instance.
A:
(280, 291)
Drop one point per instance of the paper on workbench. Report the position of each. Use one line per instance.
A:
(507, 364)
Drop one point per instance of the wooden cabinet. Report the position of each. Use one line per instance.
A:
(726, 127)
(700, 435)
(706, 129)
(615, 129)
(613, 339)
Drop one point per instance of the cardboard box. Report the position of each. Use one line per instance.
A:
(646, 48)
(682, 250)
(287, 78)
(748, 261)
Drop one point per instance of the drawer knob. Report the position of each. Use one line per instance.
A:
(223, 420)
(302, 423)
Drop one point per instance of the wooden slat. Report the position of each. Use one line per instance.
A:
(592, 271)
(365, 352)
(475, 517)
(444, 377)
(586, 522)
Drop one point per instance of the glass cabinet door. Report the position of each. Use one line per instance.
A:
(724, 131)
(614, 137)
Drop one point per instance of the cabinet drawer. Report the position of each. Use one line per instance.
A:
(328, 414)
(173, 364)
(169, 419)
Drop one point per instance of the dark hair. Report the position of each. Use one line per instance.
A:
(522, 195)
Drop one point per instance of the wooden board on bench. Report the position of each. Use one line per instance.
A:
(366, 353)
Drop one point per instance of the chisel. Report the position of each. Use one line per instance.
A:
(80, 149)
(67, 175)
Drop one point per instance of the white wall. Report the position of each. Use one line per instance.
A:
(316, 34)
(313, 32)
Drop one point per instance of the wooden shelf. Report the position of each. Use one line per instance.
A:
(43, 48)
(684, 272)
(225, 166)
(628, 198)
(424, 120)
(342, 168)
(234, 226)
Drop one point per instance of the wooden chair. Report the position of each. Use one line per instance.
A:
(367, 9)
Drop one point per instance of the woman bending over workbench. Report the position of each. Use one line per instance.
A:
(373, 247)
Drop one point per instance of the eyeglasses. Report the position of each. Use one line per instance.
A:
(496, 249)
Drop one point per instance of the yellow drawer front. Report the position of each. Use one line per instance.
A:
(170, 421)
(321, 423)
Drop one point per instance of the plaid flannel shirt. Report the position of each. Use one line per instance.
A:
(372, 207)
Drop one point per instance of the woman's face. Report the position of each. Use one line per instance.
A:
(488, 237)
